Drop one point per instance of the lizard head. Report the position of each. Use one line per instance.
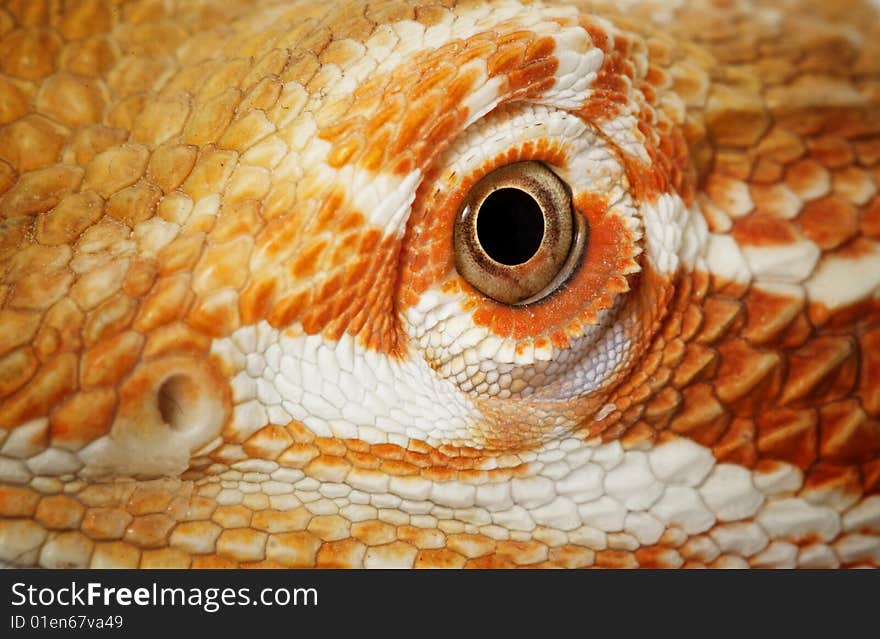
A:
(308, 285)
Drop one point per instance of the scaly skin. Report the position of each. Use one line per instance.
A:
(232, 333)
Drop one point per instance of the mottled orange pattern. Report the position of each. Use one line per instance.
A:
(159, 191)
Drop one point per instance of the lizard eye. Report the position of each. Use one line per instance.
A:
(521, 268)
(517, 238)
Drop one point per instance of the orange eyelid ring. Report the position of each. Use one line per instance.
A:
(517, 238)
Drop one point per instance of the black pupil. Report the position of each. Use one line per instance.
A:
(510, 226)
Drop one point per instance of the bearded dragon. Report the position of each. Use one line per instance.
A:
(451, 284)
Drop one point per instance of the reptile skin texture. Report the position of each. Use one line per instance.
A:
(233, 332)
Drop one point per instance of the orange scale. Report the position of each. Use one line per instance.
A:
(328, 212)
(656, 76)
(370, 241)
(278, 237)
(574, 328)
(367, 95)
(534, 80)
(346, 150)
(646, 181)
(404, 166)
(645, 123)
(421, 281)
(403, 78)
(357, 321)
(373, 156)
(338, 131)
(307, 263)
(871, 477)
(505, 59)
(870, 218)
(592, 205)
(597, 34)
(419, 117)
(560, 340)
(512, 37)
(443, 52)
(394, 105)
(620, 284)
(587, 317)
(541, 48)
(610, 80)
(439, 252)
(256, 300)
(419, 261)
(341, 305)
(649, 92)
(438, 133)
(434, 78)
(315, 319)
(858, 248)
(459, 89)
(524, 325)
(764, 230)
(331, 286)
(502, 324)
(552, 152)
(344, 247)
(452, 287)
(356, 271)
(602, 105)
(336, 329)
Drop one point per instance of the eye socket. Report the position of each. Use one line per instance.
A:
(517, 237)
